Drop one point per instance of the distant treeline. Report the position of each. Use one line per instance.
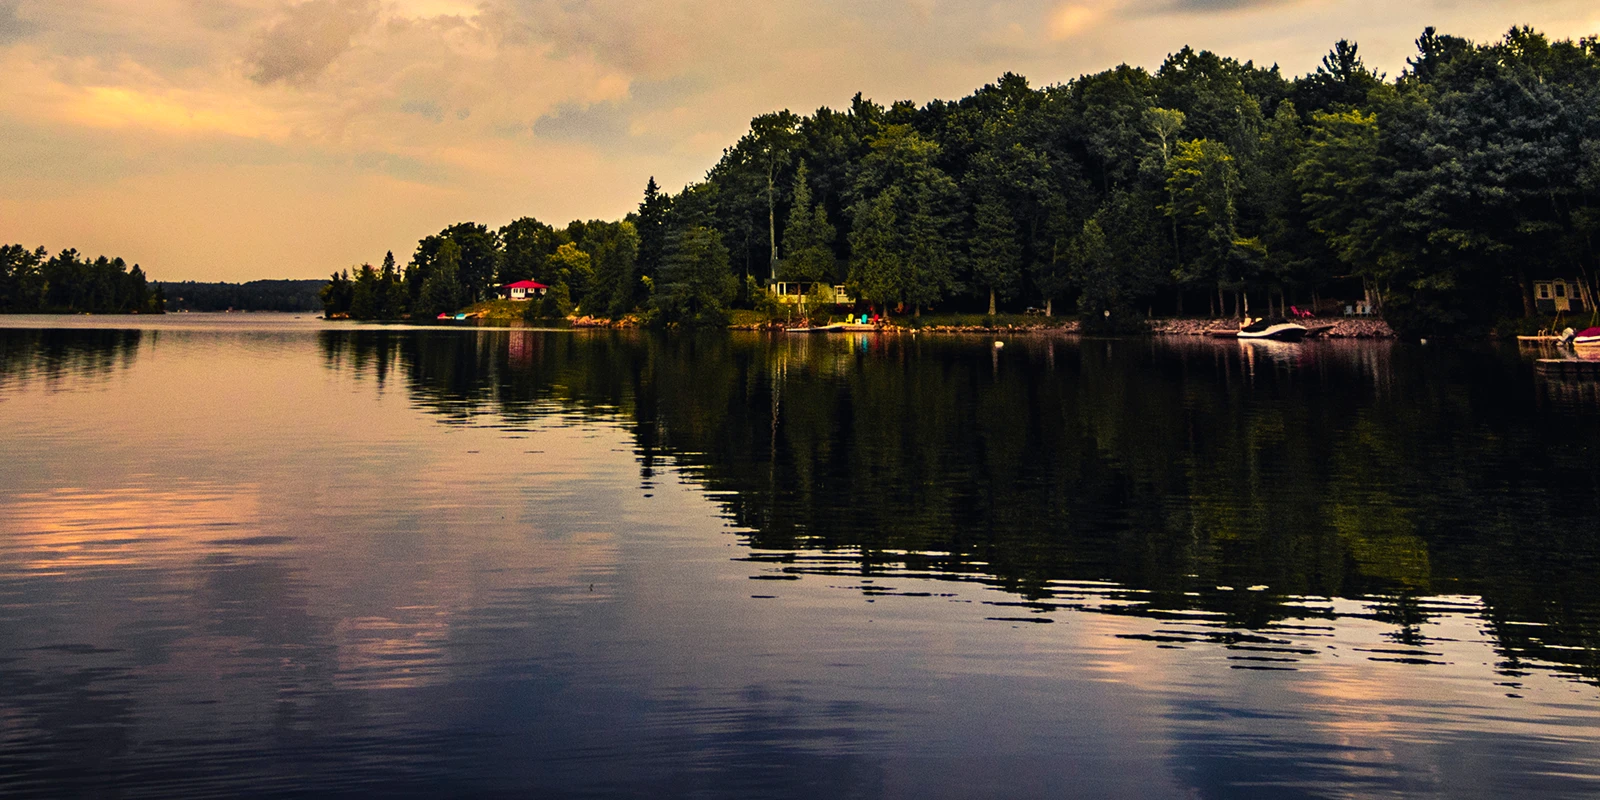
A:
(279, 295)
(33, 281)
(1208, 185)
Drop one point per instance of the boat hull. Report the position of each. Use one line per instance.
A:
(1287, 332)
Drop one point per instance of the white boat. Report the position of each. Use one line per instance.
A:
(1588, 337)
(1276, 330)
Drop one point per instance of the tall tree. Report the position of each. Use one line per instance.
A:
(924, 215)
(527, 243)
(442, 292)
(651, 223)
(773, 138)
(808, 235)
(614, 248)
(996, 254)
(1203, 181)
(696, 282)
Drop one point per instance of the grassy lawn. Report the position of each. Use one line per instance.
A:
(497, 309)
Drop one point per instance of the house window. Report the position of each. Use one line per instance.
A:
(1561, 290)
(1543, 290)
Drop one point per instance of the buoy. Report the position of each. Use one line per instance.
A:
(999, 344)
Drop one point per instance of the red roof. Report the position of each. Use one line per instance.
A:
(526, 285)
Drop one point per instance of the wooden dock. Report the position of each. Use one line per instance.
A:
(1569, 368)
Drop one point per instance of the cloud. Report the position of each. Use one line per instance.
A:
(1070, 20)
(601, 122)
(12, 26)
(309, 37)
(1203, 6)
(223, 15)
(492, 109)
(427, 109)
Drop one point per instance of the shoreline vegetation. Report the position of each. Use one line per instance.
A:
(507, 313)
(35, 282)
(1445, 201)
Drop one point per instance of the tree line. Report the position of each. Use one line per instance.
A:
(589, 263)
(263, 295)
(33, 281)
(1209, 185)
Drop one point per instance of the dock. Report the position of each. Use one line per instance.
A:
(1569, 368)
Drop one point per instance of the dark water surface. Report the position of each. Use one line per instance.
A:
(252, 554)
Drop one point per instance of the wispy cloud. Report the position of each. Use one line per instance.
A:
(309, 36)
(12, 25)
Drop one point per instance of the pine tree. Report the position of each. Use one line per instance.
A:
(808, 236)
(696, 281)
(652, 229)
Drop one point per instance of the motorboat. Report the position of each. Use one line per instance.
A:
(1274, 329)
(1588, 337)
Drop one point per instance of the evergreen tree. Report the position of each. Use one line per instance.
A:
(336, 296)
(364, 302)
(390, 293)
(652, 229)
(808, 236)
(696, 282)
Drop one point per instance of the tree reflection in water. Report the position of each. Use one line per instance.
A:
(1211, 481)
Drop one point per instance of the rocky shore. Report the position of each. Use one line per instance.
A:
(629, 321)
(1343, 327)
(1070, 326)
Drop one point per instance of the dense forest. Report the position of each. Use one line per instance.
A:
(35, 281)
(1208, 186)
(266, 295)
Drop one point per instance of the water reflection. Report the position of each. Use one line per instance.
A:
(298, 558)
(1223, 478)
(52, 356)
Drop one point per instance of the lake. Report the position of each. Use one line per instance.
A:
(267, 555)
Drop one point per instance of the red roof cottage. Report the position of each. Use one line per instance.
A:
(524, 290)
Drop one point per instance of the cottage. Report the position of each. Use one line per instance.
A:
(1558, 296)
(523, 290)
(792, 292)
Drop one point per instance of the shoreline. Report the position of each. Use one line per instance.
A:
(1343, 327)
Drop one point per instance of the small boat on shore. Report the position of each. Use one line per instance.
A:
(839, 327)
(1274, 329)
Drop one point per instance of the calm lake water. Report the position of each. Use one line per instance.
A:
(258, 554)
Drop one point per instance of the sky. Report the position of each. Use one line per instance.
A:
(243, 139)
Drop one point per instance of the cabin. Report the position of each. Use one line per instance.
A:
(1558, 296)
(792, 292)
(523, 290)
